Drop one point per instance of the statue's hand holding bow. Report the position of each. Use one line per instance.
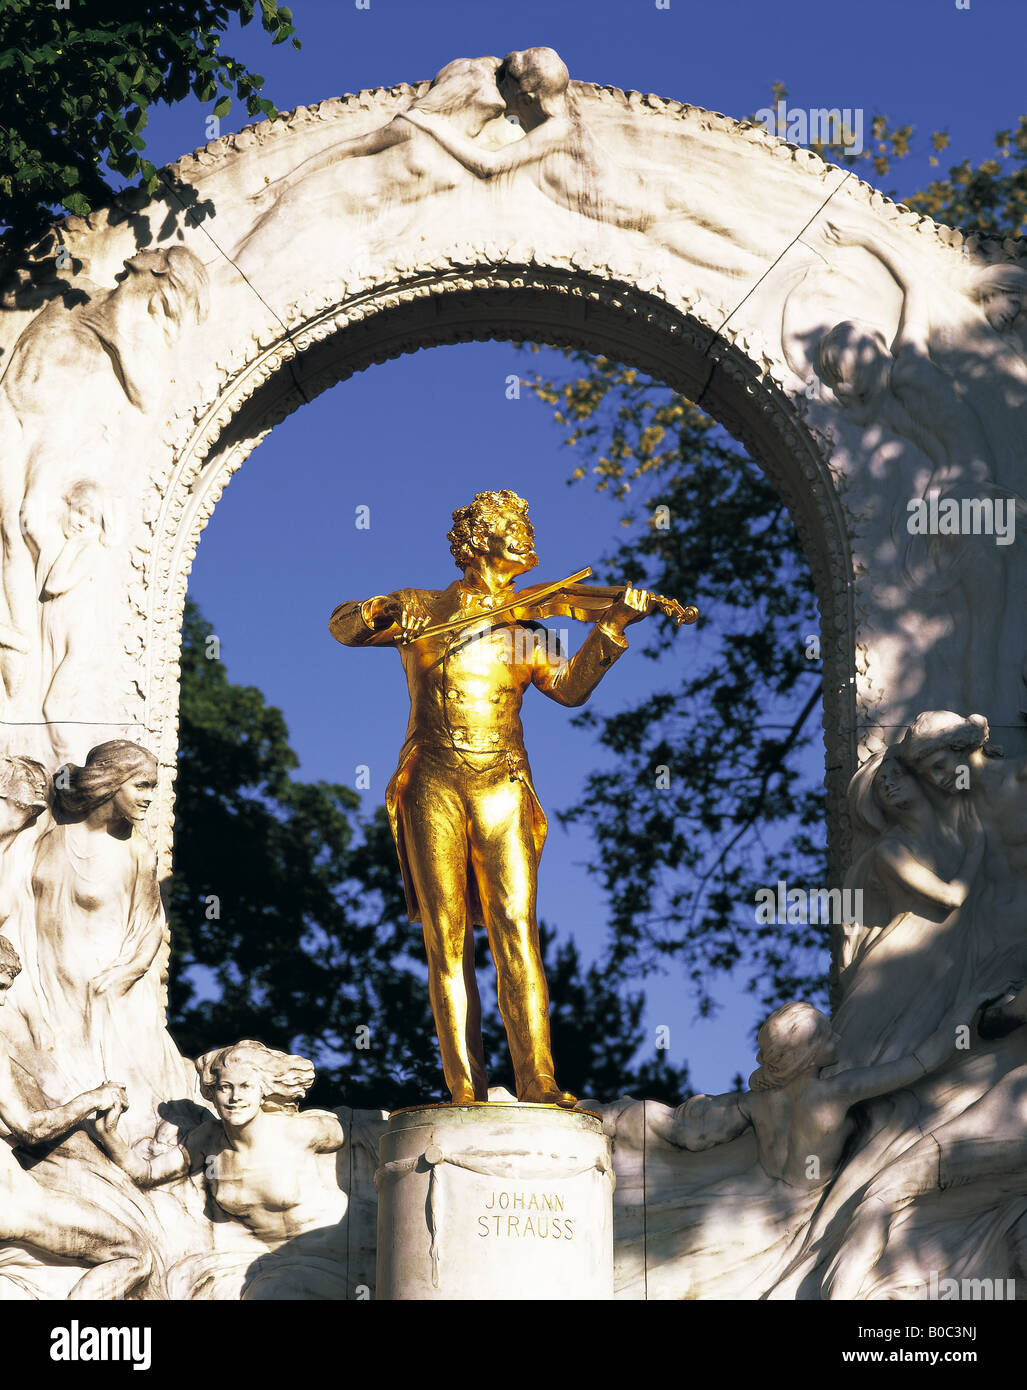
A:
(403, 608)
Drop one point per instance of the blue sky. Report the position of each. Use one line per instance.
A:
(414, 438)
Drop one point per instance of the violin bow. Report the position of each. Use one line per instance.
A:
(536, 594)
(466, 619)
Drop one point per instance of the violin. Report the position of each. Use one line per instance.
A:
(566, 598)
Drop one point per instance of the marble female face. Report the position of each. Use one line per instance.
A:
(132, 799)
(941, 768)
(828, 1053)
(895, 787)
(528, 77)
(8, 975)
(83, 518)
(509, 76)
(239, 1093)
(488, 95)
(855, 361)
(1002, 308)
(861, 372)
(16, 815)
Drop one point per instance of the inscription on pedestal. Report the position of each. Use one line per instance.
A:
(495, 1201)
(519, 1214)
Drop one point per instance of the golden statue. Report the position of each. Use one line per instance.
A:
(468, 826)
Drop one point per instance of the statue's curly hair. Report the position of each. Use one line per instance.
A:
(284, 1079)
(24, 782)
(107, 768)
(472, 524)
(9, 958)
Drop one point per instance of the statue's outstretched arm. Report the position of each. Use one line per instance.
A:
(551, 135)
(32, 1126)
(349, 625)
(383, 137)
(913, 874)
(864, 1083)
(383, 620)
(703, 1122)
(914, 318)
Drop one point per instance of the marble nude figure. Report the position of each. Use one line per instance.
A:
(431, 142)
(60, 1223)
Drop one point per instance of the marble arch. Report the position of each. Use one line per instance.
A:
(693, 246)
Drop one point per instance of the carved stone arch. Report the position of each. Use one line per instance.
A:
(688, 244)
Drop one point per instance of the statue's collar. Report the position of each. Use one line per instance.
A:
(474, 594)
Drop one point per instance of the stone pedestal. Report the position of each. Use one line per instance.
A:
(492, 1201)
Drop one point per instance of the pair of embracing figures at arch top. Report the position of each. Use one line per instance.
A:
(431, 146)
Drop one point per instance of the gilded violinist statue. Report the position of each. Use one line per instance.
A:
(468, 826)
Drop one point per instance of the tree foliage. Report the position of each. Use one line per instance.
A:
(267, 897)
(707, 790)
(987, 198)
(735, 724)
(78, 79)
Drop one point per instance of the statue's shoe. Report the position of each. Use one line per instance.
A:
(543, 1090)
